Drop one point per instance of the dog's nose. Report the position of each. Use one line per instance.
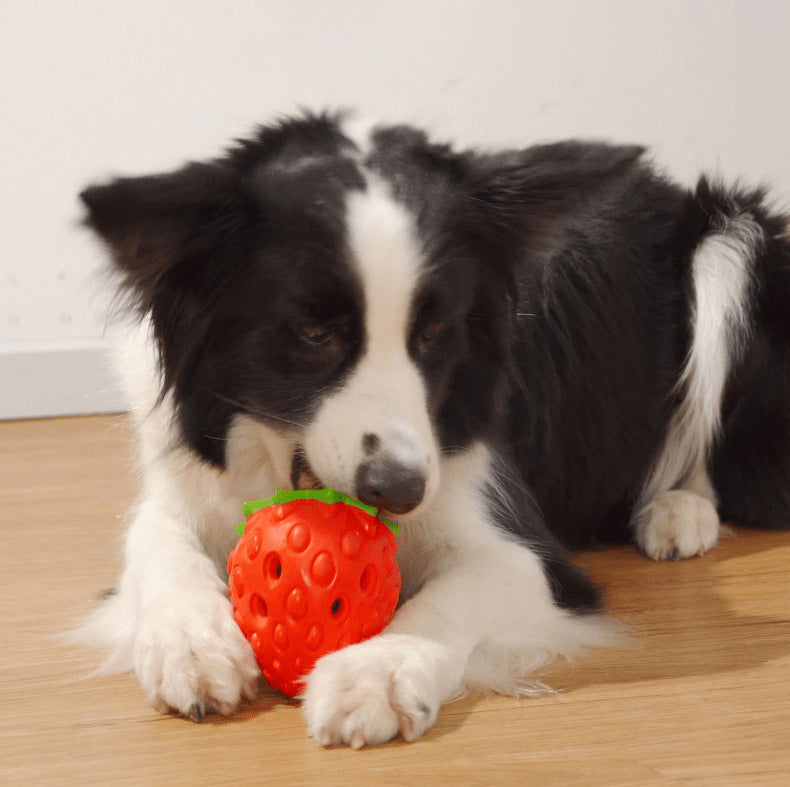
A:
(384, 483)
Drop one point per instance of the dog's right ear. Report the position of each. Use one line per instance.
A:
(523, 193)
(156, 223)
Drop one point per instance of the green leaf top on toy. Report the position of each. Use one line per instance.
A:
(325, 495)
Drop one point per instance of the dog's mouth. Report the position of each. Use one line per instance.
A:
(302, 475)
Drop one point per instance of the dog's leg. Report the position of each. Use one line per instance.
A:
(483, 615)
(675, 516)
(495, 598)
(170, 619)
(187, 651)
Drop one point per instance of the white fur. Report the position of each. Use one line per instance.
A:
(677, 524)
(722, 270)
(359, 130)
(680, 523)
(385, 394)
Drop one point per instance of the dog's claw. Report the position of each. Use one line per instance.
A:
(407, 728)
(196, 713)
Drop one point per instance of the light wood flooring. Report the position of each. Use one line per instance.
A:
(703, 697)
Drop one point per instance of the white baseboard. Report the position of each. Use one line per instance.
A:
(64, 378)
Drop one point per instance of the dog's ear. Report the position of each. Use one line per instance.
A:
(166, 234)
(512, 205)
(525, 193)
(544, 179)
(157, 223)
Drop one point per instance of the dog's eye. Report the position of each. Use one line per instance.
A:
(429, 335)
(315, 333)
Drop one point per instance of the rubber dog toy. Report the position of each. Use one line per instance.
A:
(313, 572)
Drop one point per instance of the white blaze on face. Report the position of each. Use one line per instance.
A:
(385, 393)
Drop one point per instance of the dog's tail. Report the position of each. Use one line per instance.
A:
(750, 460)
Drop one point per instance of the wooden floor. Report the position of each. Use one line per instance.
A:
(703, 697)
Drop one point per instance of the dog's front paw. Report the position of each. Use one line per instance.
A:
(677, 524)
(191, 657)
(367, 693)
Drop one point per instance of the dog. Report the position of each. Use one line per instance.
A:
(514, 354)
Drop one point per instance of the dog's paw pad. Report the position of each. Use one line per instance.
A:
(192, 658)
(367, 693)
(677, 524)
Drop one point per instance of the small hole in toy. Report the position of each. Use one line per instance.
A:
(337, 607)
(273, 567)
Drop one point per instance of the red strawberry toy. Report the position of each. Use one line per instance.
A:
(314, 571)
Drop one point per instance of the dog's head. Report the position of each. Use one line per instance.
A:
(357, 295)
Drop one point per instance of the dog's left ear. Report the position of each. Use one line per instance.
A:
(163, 230)
(524, 193)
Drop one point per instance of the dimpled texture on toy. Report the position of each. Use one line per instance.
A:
(313, 572)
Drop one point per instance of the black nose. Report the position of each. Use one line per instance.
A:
(384, 483)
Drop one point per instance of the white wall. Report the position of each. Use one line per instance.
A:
(90, 88)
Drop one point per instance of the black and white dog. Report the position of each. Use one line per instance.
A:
(514, 354)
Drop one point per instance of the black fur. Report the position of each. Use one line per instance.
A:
(600, 338)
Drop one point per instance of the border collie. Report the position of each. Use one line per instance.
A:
(514, 354)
